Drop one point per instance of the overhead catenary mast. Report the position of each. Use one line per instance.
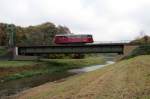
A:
(11, 38)
(11, 34)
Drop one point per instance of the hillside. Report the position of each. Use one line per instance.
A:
(33, 35)
(143, 40)
(127, 79)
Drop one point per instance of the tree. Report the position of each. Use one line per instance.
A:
(3, 35)
(63, 30)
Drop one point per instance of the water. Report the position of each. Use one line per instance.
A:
(17, 86)
(91, 68)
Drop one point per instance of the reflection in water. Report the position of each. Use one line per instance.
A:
(91, 68)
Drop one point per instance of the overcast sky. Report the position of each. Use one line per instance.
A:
(106, 20)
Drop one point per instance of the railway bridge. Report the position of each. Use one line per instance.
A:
(120, 48)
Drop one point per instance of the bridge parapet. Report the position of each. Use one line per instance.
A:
(112, 42)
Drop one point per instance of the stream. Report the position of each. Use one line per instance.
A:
(16, 86)
(90, 68)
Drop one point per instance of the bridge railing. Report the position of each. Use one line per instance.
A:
(109, 42)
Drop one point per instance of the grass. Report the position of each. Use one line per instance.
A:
(127, 79)
(11, 70)
(75, 63)
(3, 51)
(22, 75)
(7, 64)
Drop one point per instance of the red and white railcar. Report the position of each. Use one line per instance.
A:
(73, 38)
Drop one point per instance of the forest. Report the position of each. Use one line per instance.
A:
(33, 35)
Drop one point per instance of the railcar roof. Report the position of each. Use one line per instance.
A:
(72, 34)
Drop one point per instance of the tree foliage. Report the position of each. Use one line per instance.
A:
(143, 40)
(3, 34)
(42, 34)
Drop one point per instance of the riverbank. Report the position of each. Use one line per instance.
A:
(12, 70)
(127, 79)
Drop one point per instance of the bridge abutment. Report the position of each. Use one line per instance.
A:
(129, 48)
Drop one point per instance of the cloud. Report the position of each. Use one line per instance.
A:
(106, 19)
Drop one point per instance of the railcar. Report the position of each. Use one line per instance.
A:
(73, 38)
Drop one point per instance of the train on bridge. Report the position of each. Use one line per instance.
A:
(72, 44)
(73, 39)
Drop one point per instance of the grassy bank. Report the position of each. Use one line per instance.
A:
(14, 64)
(2, 51)
(11, 70)
(127, 79)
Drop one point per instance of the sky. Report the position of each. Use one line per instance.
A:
(106, 20)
